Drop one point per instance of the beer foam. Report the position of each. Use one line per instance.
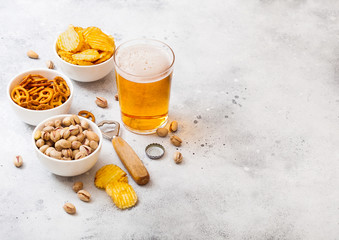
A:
(143, 60)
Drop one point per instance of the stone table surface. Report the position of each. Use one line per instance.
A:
(255, 92)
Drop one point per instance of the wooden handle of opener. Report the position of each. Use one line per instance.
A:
(131, 161)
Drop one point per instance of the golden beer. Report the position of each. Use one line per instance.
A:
(143, 76)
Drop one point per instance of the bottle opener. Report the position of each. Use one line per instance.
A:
(127, 156)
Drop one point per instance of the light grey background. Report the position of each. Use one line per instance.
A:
(255, 93)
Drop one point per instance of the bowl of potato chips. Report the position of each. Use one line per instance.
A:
(38, 94)
(85, 54)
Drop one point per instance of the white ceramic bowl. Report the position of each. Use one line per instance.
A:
(33, 117)
(79, 73)
(73, 167)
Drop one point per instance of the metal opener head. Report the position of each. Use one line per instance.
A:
(112, 132)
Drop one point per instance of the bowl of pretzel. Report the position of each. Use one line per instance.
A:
(38, 94)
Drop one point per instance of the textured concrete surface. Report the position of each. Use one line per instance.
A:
(255, 92)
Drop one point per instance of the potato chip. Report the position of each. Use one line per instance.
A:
(122, 194)
(83, 63)
(84, 47)
(78, 29)
(69, 40)
(111, 38)
(108, 174)
(66, 56)
(87, 55)
(103, 57)
(97, 39)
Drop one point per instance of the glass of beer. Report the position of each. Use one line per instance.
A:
(144, 69)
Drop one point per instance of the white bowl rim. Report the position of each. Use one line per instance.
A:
(80, 66)
(69, 82)
(59, 160)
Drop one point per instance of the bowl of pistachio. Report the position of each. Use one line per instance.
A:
(67, 145)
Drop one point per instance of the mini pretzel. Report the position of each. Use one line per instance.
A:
(26, 80)
(61, 86)
(87, 114)
(19, 94)
(56, 100)
(43, 107)
(45, 95)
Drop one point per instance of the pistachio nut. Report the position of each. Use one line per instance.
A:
(176, 141)
(74, 153)
(101, 102)
(18, 161)
(49, 64)
(74, 130)
(76, 119)
(57, 123)
(48, 150)
(66, 158)
(67, 153)
(92, 136)
(86, 142)
(55, 135)
(32, 54)
(39, 143)
(162, 132)
(93, 144)
(72, 138)
(85, 149)
(45, 135)
(81, 137)
(69, 208)
(84, 195)
(177, 157)
(66, 121)
(76, 145)
(62, 144)
(55, 154)
(80, 155)
(65, 133)
(84, 124)
(77, 186)
(43, 148)
(173, 126)
(48, 129)
(80, 128)
(37, 134)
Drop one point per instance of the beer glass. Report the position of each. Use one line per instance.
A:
(143, 70)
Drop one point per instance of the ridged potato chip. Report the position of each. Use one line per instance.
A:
(66, 56)
(83, 63)
(98, 40)
(103, 57)
(87, 55)
(122, 194)
(69, 40)
(109, 174)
